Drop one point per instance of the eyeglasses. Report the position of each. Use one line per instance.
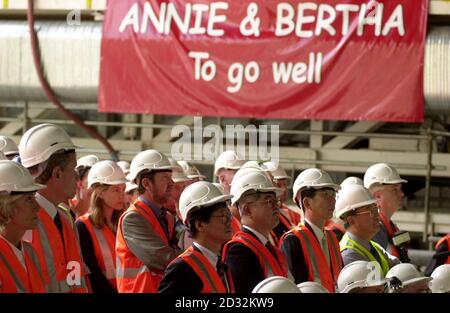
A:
(226, 217)
(373, 211)
(271, 203)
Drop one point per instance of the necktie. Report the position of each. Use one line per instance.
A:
(272, 250)
(163, 219)
(324, 244)
(374, 252)
(58, 223)
(221, 270)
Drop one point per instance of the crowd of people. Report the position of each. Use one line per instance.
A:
(84, 225)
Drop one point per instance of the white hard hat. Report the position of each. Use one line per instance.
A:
(191, 171)
(130, 186)
(276, 170)
(360, 274)
(125, 166)
(441, 279)
(16, 178)
(197, 195)
(150, 160)
(8, 146)
(254, 164)
(382, 173)
(276, 284)
(2, 156)
(178, 175)
(220, 187)
(87, 161)
(352, 197)
(247, 179)
(407, 273)
(311, 287)
(313, 178)
(228, 160)
(352, 180)
(40, 142)
(106, 172)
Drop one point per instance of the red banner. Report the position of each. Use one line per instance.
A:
(333, 60)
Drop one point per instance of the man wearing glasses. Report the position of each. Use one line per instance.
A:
(312, 251)
(204, 211)
(250, 256)
(359, 211)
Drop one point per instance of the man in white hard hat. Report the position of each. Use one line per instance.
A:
(336, 224)
(47, 151)
(360, 214)
(249, 255)
(412, 281)
(288, 218)
(204, 210)
(191, 171)
(311, 250)
(385, 184)
(146, 240)
(79, 205)
(8, 147)
(226, 166)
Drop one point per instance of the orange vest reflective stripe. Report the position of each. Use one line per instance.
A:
(132, 274)
(204, 270)
(390, 231)
(270, 265)
(104, 242)
(318, 268)
(13, 276)
(441, 241)
(235, 225)
(56, 255)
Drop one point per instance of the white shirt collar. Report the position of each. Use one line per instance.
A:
(17, 252)
(49, 207)
(258, 235)
(211, 256)
(317, 231)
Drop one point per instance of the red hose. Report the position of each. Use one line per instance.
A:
(50, 93)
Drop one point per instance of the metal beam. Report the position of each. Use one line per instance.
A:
(340, 142)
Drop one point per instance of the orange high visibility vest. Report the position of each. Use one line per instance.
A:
(318, 267)
(391, 231)
(133, 275)
(204, 270)
(59, 256)
(104, 242)
(294, 217)
(271, 266)
(14, 278)
(441, 241)
(235, 224)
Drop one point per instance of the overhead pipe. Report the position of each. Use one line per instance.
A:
(51, 94)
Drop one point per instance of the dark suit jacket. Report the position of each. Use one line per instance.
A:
(244, 266)
(179, 277)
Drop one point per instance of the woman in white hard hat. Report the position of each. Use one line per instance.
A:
(204, 210)
(98, 228)
(20, 270)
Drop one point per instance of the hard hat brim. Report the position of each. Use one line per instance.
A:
(354, 207)
(238, 196)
